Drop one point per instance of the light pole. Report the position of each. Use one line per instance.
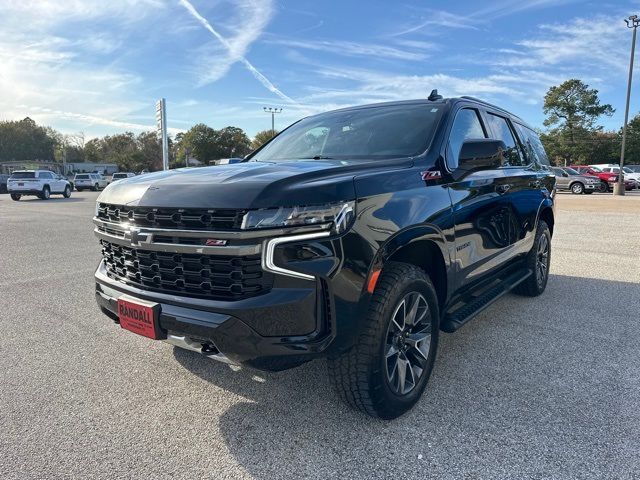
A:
(632, 22)
(273, 112)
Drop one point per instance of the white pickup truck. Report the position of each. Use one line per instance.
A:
(41, 183)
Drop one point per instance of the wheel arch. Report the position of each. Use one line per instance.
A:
(546, 214)
(423, 246)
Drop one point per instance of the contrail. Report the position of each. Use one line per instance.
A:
(254, 71)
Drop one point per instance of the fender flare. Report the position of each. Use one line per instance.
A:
(407, 236)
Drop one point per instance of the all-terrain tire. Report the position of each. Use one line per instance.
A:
(535, 284)
(360, 375)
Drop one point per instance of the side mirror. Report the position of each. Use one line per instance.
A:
(565, 174)
(480, 154)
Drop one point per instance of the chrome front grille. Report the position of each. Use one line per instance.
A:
(204, 276)
(179, 218)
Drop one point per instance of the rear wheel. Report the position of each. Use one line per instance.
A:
(15, 196)
(538, 261)
(386, 371)
(46, 193)
(577, 188)
(604, 187)
(67, 192)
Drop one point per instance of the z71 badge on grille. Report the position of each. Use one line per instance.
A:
(214, 242)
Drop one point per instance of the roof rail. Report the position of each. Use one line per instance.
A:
(483, 102)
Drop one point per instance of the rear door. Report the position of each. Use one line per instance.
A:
(481, 217)
(522, 196)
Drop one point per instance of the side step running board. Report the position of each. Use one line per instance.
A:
(475, 304)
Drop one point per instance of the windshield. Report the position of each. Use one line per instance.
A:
(82, 176)
(23, 175)
(389, 131)
(119, 175)
(627, 170)
(596, 169)
(571, 171)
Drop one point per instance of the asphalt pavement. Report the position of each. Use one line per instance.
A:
(547, 387)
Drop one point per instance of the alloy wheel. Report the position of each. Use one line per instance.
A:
(408, 343)
(542, 263)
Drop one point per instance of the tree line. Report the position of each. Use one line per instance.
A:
(572, 135)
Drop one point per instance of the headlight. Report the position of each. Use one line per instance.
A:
(340, 215)
(612, 179)
(95, 214)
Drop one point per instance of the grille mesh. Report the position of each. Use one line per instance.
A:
(202, 276)
(178, 218)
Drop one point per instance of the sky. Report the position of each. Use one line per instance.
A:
(98, 67)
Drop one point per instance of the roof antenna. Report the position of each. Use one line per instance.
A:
(434, 95)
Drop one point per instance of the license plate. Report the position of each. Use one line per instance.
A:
(139, 317)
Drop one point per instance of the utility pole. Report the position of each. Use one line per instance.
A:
(273, 112)
(632, 22)
(161, 118)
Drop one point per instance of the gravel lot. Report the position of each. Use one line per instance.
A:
(532, 388)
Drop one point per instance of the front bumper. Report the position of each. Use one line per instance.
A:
(228, 331)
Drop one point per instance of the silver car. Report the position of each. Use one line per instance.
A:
(569, 179)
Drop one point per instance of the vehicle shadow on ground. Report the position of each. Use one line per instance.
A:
(531, 387)
(71, 199)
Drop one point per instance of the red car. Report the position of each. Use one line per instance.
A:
(607, 179)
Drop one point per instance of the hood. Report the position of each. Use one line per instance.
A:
(241, 185)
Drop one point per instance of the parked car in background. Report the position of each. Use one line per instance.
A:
(635, 168)
(3, 183)
(229, 161)
(89, 181)
(41, 183)
(612, 168)
(121, 175)
(607, 179)
(569, 179)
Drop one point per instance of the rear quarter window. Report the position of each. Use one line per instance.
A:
(532, 145)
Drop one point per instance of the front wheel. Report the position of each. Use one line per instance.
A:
(96, 187)
(386, 371)
(538, 260)
(67, 192)
(15, 197)
(577, 188)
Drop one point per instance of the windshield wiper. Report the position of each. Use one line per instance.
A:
(318, 157)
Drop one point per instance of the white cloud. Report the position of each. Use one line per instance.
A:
(254, 15)
(355, 49)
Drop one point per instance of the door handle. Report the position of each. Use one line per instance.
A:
(503, 188)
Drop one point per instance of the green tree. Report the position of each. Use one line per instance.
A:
(572, 110)
(25, 140)
(262, 137)
(206, 143)
(632, 149)
(233, 142)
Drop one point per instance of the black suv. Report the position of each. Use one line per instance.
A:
(355, 235)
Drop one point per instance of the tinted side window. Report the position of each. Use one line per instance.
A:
(466, 126)
(46, 175)
(532, 145)
(502, 131)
